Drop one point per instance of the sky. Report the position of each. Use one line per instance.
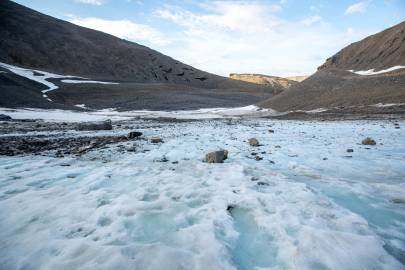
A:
(274, 37)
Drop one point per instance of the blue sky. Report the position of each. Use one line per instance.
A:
(280, 37)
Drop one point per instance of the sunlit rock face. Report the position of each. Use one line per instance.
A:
(277, 82)
(297, 78)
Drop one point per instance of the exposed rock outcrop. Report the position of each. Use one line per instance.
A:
(297, 78)
(105, 125)
(276, 82)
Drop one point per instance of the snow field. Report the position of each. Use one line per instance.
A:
(112, 210)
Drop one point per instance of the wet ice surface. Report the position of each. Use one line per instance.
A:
(113, 210)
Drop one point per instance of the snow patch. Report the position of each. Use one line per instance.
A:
(72, 116)
(83, 106)
(382, 105)
(208, 113)
(123, 210)
(65, 115)
(42, 78)
(319, 110)
(83, 81)
(36, 75)
(372, 72)
(60, 115)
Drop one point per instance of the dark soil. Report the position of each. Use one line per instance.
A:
(337, 88)
(18, 145)
(34, 40)
(334, 86)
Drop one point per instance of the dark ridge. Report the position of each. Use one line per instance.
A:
(380, 51)
(30, 39)
(334, 86)
(34, 40)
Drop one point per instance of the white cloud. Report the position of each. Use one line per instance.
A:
(124, 29)
(356, 8)
(91, 2)
(249, 37)
(311, 20)
(238, 36)
(234, 16)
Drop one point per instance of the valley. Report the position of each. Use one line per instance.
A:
(115, 155)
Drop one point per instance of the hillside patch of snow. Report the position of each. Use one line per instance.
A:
(318, 110)
(36, 75)
(42, 78)
(83, 106)
(382, 105)
(85, 81)
(372, 72)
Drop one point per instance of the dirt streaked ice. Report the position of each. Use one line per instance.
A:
(307, 204)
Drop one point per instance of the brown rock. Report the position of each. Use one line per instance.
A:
(216, 157)
(368, 141)
(156, 140)
(253, 142)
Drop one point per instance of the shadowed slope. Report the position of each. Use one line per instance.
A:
(34, 40)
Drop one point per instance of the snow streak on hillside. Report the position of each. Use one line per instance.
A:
(372, 72)
(43, 77)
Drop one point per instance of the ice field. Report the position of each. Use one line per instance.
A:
(308, 204)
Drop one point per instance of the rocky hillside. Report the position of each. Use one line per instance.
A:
(380, 51)
(145, 78)
(333, 85)
(34, 40)
(338, 88)
(276, 82)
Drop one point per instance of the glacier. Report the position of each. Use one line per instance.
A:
(309, 204)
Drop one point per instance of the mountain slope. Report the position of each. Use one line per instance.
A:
(33, 40)
(380, 51)
(335, 85)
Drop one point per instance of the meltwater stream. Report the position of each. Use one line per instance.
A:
(308, 204)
